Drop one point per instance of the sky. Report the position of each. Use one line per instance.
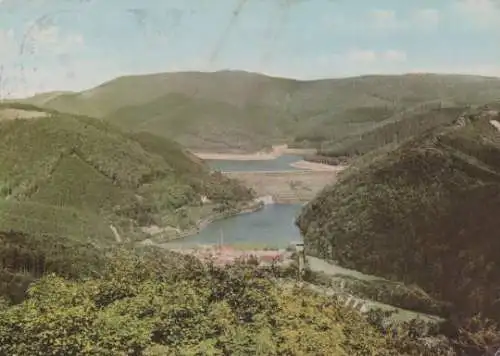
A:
(48, 45)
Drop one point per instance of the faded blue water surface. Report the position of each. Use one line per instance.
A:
(281, 163)
(272, 226)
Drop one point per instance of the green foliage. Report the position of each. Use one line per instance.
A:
(25, 258)
(424, 213)
(239, 110)
(170, 194)
(155, 303)
(171, 152)
(396, 129)
(197, 122)
(222, 189)
(75, 176)
(37, 218)
(391, 293)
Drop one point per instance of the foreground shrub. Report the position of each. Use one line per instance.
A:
(154, 303)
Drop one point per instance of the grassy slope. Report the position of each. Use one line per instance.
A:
(73, 176)
(424, 212)
(238, 109)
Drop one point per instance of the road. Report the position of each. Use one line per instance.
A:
(363, 305)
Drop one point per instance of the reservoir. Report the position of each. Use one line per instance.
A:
(273, 226)
(282, 163)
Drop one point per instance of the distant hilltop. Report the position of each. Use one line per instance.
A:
(237, 110)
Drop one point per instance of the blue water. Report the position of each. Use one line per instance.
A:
(273, 226)
(281, 163)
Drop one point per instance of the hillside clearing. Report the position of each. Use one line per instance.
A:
(13, 114)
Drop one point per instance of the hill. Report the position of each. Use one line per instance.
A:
(202, 123)
(424, 211)
(391, 131)
(81, 178)
(394, 129)
(42, 98)
(234, 109)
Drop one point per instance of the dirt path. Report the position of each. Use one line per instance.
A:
(319, 265)
(362, 304)
(117, 235)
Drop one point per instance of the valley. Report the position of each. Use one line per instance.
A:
(271, 231)
(236, 178)
(94, 187)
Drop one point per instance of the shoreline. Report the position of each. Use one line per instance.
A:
(201, 224)
(259, 156)
(277, 151)
(318, 167)
(262, 156)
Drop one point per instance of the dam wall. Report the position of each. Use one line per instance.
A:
(285, 187)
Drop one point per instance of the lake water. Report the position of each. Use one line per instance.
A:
(273, 226)
(281, 163)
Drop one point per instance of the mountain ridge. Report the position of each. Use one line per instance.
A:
(321, 110)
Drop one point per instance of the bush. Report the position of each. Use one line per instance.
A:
(149, 302)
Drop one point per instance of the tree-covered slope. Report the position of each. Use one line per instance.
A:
(234, 109)
(76, 176)
(25, 258)
(201, 123)
(392, 130)
(424, 212)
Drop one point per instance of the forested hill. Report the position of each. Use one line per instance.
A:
(423, 212)
(75, 176)
(72, 185)
(240, 110)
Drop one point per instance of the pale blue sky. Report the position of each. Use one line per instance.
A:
(76, 44)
